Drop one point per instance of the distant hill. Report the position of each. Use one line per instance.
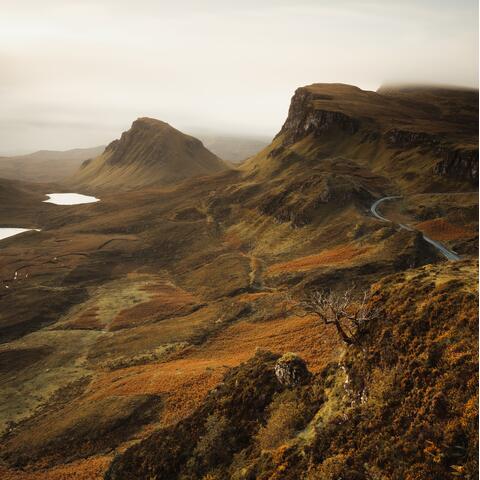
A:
(20, 203)
(234, 148)
(46, 165)
(150, 153)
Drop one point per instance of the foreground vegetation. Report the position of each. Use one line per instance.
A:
(401, 403)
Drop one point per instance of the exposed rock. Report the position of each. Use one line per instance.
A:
(405, 139)
(304, 119)
(291, 370)
(344, 109)
(461, 164)
(456, 163)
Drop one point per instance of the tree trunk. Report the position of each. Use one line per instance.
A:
(342, 333)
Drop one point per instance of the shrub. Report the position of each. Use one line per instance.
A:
(287, 417)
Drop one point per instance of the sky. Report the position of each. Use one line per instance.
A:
(77, 73)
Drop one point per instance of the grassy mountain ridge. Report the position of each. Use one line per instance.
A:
(424, 140)
(151, 152)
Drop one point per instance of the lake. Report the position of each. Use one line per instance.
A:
(70, 199)
(10, 232)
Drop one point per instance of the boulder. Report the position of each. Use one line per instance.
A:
(291, 370)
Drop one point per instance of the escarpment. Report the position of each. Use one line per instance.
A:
(454, 162)
(304, 119)
(433, 131)
(150, 153)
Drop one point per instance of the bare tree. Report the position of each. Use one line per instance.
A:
(346, 311)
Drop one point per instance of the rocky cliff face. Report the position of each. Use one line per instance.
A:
(459, 164)
(456, 163)
(396, 138)
(304, 119)
(434, 123)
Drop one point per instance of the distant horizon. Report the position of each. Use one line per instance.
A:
(208, 131)
(78, 73)
(198, 134)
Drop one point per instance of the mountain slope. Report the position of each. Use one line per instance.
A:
(401, 404)
(21, 203)
(131, 310)
(46, 165)
(421, 138)
(150, 153)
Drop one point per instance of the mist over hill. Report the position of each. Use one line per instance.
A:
(233, 148)
(46, 165)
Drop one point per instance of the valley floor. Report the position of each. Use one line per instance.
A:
(143, 320)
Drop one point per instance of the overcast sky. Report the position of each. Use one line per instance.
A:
(77, 73)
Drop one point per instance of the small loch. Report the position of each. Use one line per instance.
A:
(55, 198)
(70, 199)
(10, 232)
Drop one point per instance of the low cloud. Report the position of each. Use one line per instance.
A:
(77, 73)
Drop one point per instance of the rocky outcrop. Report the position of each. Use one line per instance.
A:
(304, 119)
(405, 139)
(455, 163)
(433, 130)
(291, 370)
(459, 164)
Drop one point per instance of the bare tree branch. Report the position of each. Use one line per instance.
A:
(346, 311)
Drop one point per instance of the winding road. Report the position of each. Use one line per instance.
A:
(448, 254)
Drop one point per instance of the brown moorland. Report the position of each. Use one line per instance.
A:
(243, 429)
(134, 308)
